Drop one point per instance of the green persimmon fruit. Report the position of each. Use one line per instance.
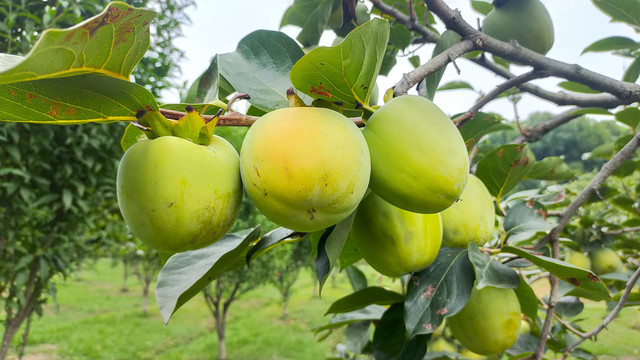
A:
(578, 259)
(395, 241)
(471, 218)
(489, 322)
(604, 261)
(305, 168)
(526, 21)
(176, 195)
(419, 161)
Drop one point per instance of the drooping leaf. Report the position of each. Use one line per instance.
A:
(480, 125)
(490, 271)
(260, 67)
(577, 87)
(627, 11)
(568, 306)
(371, 312)
(527, 299)
(585, 280)
(345, 73)
(612, 43)
(446, 40)
(551, 168)
(357, 336)
(110, 43)
(633, 71)
(268, 241)
(350, 253)
(330, 246)
(389, 341)
(74, 100)
(356, 277)
(455, 85)
(185, 274)
(629, 116)
(312, 16)
(205, 88)
(440, 290)
(525, 218)
(504, 167)
(363, 298)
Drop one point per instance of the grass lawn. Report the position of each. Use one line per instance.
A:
(95, 320)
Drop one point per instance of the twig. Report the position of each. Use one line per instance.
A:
(436, 63)
(493, 94)
(625, 91)
(537, 132)
(623, 300)
(621, 231)
(428, 35)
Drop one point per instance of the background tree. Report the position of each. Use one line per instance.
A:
(286, 262)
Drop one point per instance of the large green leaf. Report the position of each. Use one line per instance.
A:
(110, 43)
(312, 16)
(260, 67)
(345, 73)
(330, 246)
(480, 125)
(504, 167)
(590, 285)
(490, 271)
(363, 298)
(446, 40)
(612, 43)
(527, 299)
(185, 274)
(629, 116)
(390, 342)
(440, 290)
(205, 88)
(627, 11)
(551, 168)
(74, 100)
(525, 218)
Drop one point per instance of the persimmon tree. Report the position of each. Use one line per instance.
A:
(58, 82)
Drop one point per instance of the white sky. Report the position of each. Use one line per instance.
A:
(218, 26)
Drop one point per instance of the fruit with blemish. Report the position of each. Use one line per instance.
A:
(305, 168)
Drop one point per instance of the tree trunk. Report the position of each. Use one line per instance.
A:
(10, 331)
(285, 309)
(220, 328)
(145, 296)
(25, 337)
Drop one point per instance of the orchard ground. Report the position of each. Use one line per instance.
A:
(95, 320)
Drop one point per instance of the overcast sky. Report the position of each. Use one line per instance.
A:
(218, 25)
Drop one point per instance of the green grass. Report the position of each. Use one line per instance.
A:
(97, 321)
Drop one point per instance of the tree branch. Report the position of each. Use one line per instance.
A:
(537, 132)
(428, 35)
(625, 91)
(436, 63)
(623, 300)
(621, 231)
(493, 94)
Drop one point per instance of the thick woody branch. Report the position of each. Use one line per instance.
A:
(493, 94)
(436, 63)
(625, 91)
(537, 132)
(612, 315)
(597, 181)
(410, 23)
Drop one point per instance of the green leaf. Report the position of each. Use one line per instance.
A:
(312, 16)
(440, 290)
(356, 277)
(612, 43)
(481, 7)
(414, 60)
(527, 299)
(455, 85)
(400, 36)
(446, 40)
(633, 71)
(551, 168)
(185, 274)
(480, 125)
(350, 253)
(268, 241)
(330, 246)
(260, 67)
(110, 43)
(504, 167)
(389, 341)
(490, 271)
(577, 87)
(593, 111)
(132, 134)
(568, 306)
(363, 298)
(627, 11)
(371, 312)
(74, 100)
(585, 280)
(524, 219)
(347, 72)
(629, 116)
(205, 88)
